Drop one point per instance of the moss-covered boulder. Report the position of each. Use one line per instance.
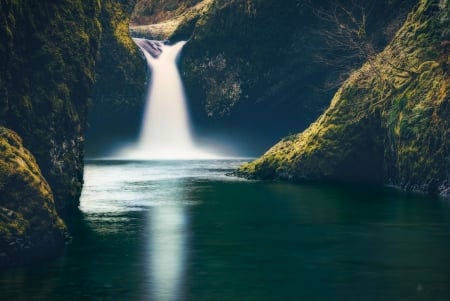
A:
(30, 228)
(389, 123)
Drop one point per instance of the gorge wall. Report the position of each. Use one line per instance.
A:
(270, 67)
(118, 93)
(47, 58)
(59, 61)
(263, 69)
(49, 61)
(388, 123)
(247, 65)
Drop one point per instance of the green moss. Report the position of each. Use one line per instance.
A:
(399, 132)
(48, 57)
(27, 208)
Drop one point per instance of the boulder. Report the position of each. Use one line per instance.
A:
(30, 228)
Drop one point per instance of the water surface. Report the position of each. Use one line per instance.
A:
(182, 230)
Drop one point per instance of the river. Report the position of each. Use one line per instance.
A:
(183, 230)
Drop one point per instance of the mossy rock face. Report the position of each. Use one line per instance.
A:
(47, 59)
(388, 123)
(167, 20)
(51, 54)
(30, 228)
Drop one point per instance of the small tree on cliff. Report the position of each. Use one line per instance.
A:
(350, 45)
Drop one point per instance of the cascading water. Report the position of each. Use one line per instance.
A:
(165, 131)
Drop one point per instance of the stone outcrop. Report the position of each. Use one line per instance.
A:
(47, 59)
(30, 228)
(389, 122)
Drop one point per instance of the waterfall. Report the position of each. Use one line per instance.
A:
(165, 131)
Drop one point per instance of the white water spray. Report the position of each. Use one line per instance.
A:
(165, 131)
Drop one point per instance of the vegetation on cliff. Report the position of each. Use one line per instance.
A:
(30, 228)
(389, 122)
(47, 59)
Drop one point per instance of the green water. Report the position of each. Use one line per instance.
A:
(181, 230)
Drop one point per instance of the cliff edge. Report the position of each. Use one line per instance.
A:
(388, 123)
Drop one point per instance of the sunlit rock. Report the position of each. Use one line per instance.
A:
(30, 228)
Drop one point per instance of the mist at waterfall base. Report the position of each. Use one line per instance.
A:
(116, 131)
(166, 131)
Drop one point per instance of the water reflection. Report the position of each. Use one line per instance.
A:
(158, 191)
(167, 252)
(182, 231)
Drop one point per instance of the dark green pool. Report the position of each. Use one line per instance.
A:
(181, 230)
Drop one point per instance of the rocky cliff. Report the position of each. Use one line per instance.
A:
(47, 58)
(51, 55)
(247, 65)
(388, 123)
(30, 228)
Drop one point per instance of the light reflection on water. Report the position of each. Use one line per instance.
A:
(137, 185)
(167, 251)
(161, 189)
(183, 231)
